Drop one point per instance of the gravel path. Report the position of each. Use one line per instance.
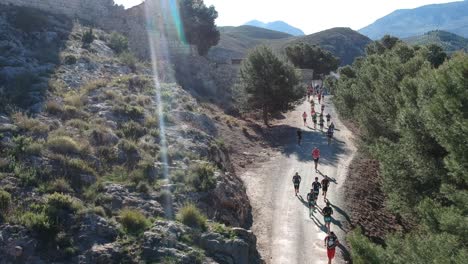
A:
(286, 233)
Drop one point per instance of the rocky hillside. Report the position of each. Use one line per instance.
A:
(451, 17)
(236, 42)
(448, 41)
(84, 148)
(279, 26)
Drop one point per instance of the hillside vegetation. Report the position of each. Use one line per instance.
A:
(448, 41)
(411, 108)
(236, 42)
(451, 17)
(83, 155)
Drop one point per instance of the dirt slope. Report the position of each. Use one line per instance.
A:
(285, 231)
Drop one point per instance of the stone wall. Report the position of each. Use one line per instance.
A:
(90, 10)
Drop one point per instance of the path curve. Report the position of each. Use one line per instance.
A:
(285, 232)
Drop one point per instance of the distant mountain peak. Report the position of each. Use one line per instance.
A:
(278, 25)
(403, 23)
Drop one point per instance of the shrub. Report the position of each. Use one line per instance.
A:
(35, 148)
(78, 123)
(94, 85)
(40, 223)
(223, 230)
(27, 175)
(201, 177)
(56, 186)
(5, 200)
(74, 99)
(130, 111)
(133, 130)
(191, 216)
(69, 60)
(88, 37)
(59, 206)
(118, 42)
(54, 108)
(128, 59)
(29, 124)
(99, 210)
(133, 221)
(143, 187)
(63, 145)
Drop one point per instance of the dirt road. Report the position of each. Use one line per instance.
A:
(286, 233)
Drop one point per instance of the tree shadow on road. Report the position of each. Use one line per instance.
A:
(284, 138)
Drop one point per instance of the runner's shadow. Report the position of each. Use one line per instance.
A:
(341, 212)
(344, 252)
(318, 223)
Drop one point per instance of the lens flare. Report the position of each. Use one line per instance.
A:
(164, 27)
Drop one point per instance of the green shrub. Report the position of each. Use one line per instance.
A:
(27, 175)
(88, 37)
(79, 124)
(223, 230)
(128, 59)
(59, 206)
(133, 130)
(63, 145)
(130, 111)
(5, 201)
(190, 215)
(201, 177)
(99, 210)
(133, 221)
(35, 148)
(40, 223)
(143, 187)
(56, 186)
(118, 42)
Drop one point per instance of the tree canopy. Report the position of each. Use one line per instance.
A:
(411, 104)
(313, 57)
(199, 24)
(267, 83)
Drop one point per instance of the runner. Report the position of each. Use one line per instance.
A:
(314, 119)
(311, 201)
(304, 116)
(319, 97)
(296, 179)
(299, 136)
(316, 157)
(321, 122)
(316, 186)
(328, 116)
(327, 212)
(325, 184)
(323, 108)
(332, 127)
(329, 135)
(331, 241)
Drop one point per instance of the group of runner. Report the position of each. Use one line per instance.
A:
(331, 240)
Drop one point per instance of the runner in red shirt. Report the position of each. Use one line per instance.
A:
(316, 157)
(331, 241)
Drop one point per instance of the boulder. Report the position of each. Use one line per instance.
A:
(17, 245)
(95, 229)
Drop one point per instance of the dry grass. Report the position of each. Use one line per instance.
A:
(94, 85)
(29, 124)
(53, 107)
(74, 99)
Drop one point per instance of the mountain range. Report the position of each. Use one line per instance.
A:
(277, 26)
(451, 17)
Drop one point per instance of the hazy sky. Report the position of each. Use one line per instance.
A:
(309, 15)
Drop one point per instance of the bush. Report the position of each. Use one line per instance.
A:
(5, 200)
(78, 123)
(35, 148)
(201, 177)
(130, 111)
(60, 206)
(63, 145)
(29, 124)
(133, 221)
(128, 59)
(133, 130)
(40, 223)
(88, 37)
(69, 60)
(56, 186)
(54, 108)
(118, 42)
(190, 215)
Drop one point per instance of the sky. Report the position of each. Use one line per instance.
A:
(309, 15)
